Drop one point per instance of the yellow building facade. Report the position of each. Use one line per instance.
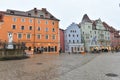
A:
(36, 28)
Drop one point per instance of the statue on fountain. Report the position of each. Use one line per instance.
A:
(10, 39)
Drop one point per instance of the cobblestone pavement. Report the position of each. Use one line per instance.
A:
(62, 67)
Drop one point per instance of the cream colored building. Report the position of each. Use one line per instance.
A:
(94, 35)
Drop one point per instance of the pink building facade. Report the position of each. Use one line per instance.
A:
(62, 42)
(114, 36)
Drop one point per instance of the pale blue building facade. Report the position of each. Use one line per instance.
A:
(73, 43)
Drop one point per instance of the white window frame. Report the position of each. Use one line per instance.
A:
(37, 36)
(53, 23)
(53, 36)
(14, 19)
(21, 28)
(15, 26)
(53, 30)
(46, 38)
(38, 28)
(27, 36)
(22, 19)
(46, 29)
(30, 20)
(18, 36)
(29, 27)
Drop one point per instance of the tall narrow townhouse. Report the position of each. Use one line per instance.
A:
(94, 34)
(73, 42)
(36, 28)
(62, 40)
(114, 36)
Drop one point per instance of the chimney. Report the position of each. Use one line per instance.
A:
(1, 17)
(35, 11)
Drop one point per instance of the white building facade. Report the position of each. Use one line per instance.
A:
(73, 39)
(94, 34)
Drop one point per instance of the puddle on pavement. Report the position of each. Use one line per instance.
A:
(39, 63)
(111, 75)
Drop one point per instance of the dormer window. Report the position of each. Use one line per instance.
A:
(46, 14)
(29, 14)
(41, 16)
(51, 17)
(11, 12)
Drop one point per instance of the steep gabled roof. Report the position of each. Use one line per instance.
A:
(93, 24)
(106, 26)
(86, 19)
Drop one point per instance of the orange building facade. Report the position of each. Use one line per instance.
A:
(36, 28)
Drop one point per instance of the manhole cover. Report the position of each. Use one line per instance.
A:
(111, 75)
(39, 63)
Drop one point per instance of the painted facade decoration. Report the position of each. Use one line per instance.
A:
(96, 36)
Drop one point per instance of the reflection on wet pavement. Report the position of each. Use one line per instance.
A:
(42, 66)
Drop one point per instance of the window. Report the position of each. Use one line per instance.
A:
(78, 48)
(69, 41)
(30, 27)
(53, 23)
(83, 32)
(30, 20)
(77, 41)
(46, 22)
(77, 35)
(28, 36)
(29, 14)
(73, 35)
(73, 41)
(46, 29)
(19, 35)
(89, 27)
(11, 12)
(69, 35)
(46, 36)
(38, 28)
(22, 27)
(53, 36)
(38, 21)
(41, 16)
(38, 36)
(13, 26)
(87, 37)
(53, 30)
(23, 20)
(90, 31)
(14, 19)
(95, 32)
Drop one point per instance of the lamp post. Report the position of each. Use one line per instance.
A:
(35, 15)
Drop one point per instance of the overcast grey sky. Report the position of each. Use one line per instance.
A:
(69, 11)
